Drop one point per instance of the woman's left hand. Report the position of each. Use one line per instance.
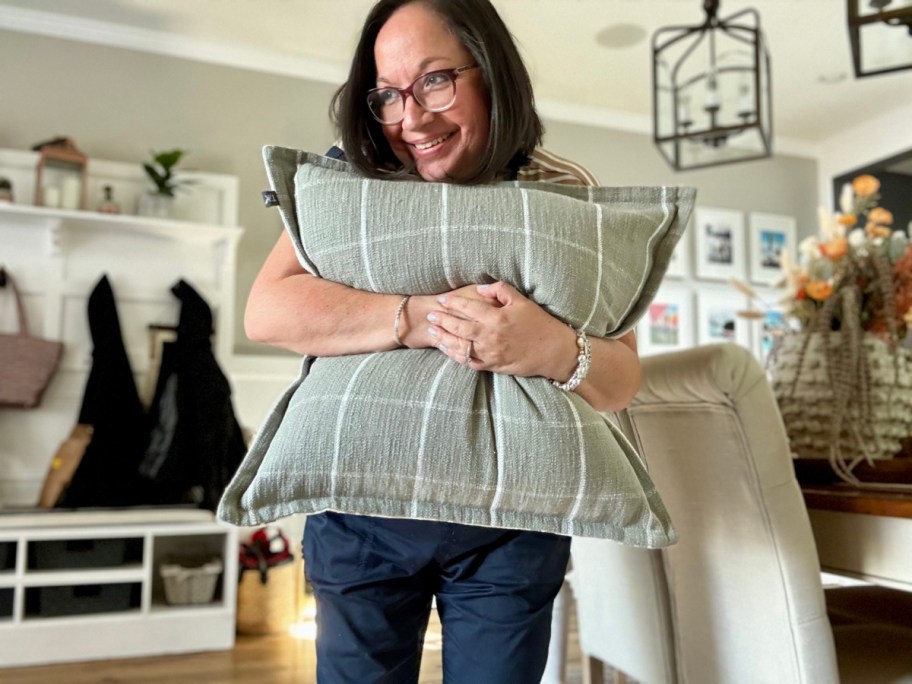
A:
(503, 332)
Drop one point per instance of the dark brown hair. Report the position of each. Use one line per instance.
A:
(515, 127)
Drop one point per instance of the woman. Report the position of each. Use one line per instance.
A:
(436, 90)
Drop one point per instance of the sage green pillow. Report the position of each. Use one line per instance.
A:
(410, 433)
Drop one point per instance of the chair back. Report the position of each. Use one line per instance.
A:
(744, 591)
(623, 608)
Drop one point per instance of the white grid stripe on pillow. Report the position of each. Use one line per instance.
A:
(444, 234)
(499, 450)
(600, 261)
(649, 262)
(425, 420)
(365, 188)
(340, 421)
(527, 243)
(578, 500)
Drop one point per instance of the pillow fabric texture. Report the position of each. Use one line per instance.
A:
(410, 433)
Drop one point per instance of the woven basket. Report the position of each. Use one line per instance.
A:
(190, 581)
(807, 406)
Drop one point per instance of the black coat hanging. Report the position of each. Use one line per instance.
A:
(196, 443)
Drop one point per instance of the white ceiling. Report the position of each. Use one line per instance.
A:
(576, 77)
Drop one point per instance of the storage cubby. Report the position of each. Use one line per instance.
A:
(7, 556)
(73, 583)
(188, 551)
(6, 603)
(81, 599)
(68, 554)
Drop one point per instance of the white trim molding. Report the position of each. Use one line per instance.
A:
(109, 34)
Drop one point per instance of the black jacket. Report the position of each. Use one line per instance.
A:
(188, 446)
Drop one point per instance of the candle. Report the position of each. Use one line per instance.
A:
(70, 195)
(51, 196)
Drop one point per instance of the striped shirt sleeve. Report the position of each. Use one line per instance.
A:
(547, 166)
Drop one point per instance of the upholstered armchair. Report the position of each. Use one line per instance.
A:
(739, 599)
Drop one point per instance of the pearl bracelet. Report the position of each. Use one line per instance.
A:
(396, 320)
(583, 361)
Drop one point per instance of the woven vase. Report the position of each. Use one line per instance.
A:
(807, 406)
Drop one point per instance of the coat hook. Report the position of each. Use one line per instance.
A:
(2, 276)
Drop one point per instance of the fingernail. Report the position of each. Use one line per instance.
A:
(432, 317)
(432, 332)
(442, 347)
(483, 286)
(442, 299)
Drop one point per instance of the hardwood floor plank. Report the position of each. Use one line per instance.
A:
(268, 659)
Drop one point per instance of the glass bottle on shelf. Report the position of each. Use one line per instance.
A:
(108, 205)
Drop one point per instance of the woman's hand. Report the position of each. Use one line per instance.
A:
(495, 328)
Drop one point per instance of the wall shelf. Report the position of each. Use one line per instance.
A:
(173, 229)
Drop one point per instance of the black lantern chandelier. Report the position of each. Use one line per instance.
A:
(880, 32)
(711, 91)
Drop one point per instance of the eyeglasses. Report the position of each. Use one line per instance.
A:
(435, 91)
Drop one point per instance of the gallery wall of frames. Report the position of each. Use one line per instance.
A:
(697, 304)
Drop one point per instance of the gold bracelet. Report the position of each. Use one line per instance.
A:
(396, 320)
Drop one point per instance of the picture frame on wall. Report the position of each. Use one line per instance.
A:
(770, 235)
(679, 265)
(766, 330)
(719, 243)
(718, 320)
(668, 324)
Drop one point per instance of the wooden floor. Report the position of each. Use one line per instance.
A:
(274, 659)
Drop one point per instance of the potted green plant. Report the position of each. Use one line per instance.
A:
(159, 201)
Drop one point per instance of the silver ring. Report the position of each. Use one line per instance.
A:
(468, 354)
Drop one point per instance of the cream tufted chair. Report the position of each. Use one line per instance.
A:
(739, 599)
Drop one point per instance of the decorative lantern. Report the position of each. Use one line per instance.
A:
(61, 180)
(880, 32)
(711, 91)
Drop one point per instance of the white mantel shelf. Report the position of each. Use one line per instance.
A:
(57, 255)
(44, 217)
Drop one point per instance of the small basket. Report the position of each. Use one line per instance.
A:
(190, 583)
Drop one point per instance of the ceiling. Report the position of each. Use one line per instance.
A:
(577, 77)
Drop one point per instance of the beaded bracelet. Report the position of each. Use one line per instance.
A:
(396, 320)
(583, 361)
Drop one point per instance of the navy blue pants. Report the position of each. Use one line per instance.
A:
(374, 579)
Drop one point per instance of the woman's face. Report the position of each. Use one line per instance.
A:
(444, 146)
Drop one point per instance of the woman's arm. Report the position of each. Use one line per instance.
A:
(290, 308)
(518, 337)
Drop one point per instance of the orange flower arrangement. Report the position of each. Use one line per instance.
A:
(858, 267)
(851, 295)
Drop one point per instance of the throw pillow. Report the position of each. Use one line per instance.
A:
(409, 433)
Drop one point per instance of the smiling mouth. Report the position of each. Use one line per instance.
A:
(432, 143)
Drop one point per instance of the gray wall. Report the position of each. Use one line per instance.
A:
(779, 185)
(119, 104)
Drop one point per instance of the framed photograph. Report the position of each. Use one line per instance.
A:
(668, 324)
(770, 235)
(719, 243)
(717, 319)
(765, 331)
(679, 266)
